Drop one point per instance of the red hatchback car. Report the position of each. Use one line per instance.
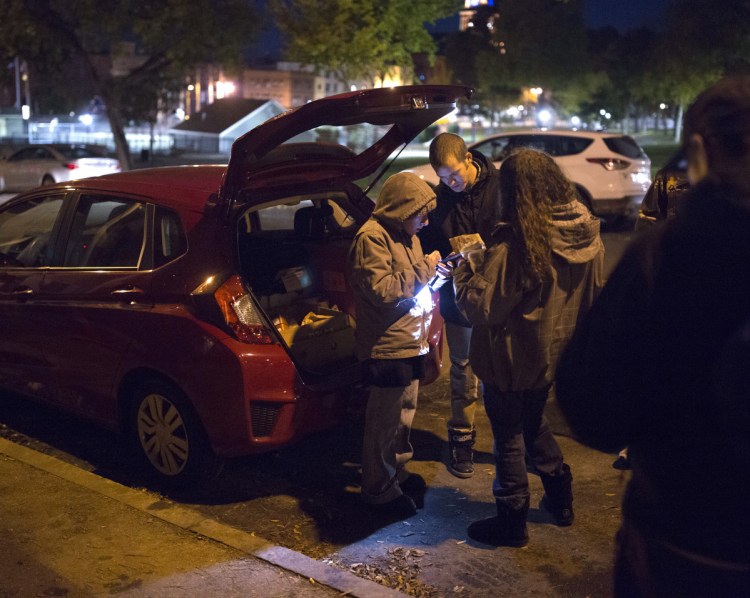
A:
(204, 311)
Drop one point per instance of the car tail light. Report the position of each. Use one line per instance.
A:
(70, 165)
(610, 163)
(240, 313)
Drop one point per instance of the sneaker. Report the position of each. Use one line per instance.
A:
(461, 446)
(563, 515)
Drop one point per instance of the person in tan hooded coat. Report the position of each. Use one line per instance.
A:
(387, 271)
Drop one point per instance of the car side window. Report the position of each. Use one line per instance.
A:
(169, 237)
(569, 146)
(107, 232)
(25, 231)
(495, 149)
(24, 154)
(536, 142)
(280, 217)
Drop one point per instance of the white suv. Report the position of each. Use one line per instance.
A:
(611, 171)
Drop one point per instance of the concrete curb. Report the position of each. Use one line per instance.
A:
(195, 522)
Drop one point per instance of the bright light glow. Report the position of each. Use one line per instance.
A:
(575, 121)
(607, 115)
(352, 87)
(224, 89)
(86, 119)
(424, 299)
(662, 105)
(180, 113)
(602, 112)
(544, 116)
(26, 112)
(514, 111)
(54, 122)
(191, 87)
(537, 91)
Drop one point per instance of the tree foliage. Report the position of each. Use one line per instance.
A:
(170, 38)
(521, 43)
(358, 39)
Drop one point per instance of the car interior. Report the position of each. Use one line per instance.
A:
(294, 251)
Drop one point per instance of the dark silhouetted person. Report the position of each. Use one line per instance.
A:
(650, 368)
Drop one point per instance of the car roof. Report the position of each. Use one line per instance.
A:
(548, 132)
(177, 187)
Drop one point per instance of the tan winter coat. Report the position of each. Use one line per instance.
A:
(387, 269)
(518, 332)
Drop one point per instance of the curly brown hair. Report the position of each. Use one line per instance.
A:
(530, 184)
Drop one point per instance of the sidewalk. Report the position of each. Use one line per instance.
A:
(68, 532)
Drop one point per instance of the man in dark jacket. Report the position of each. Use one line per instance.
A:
(468, 201)
(648, 368)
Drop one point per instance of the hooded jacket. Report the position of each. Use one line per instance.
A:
(518, 331)
(475, 210)
(387, 270)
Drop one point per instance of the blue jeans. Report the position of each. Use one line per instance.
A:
(521, 435)
(463, 381)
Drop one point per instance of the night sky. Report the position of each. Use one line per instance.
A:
(625, 14)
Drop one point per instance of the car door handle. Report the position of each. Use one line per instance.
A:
(128, 294)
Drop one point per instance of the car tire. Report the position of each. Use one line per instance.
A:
(48, 180)
(169, 438)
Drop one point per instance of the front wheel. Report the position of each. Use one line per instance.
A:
(169, 437)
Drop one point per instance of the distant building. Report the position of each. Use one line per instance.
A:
(218, 125)
(287, 87)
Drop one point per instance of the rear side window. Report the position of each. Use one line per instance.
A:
(107, 232)
(625, 146)
(554, 145)
(169, 237)
(25, 231)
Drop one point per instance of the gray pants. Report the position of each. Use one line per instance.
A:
(386, 447)
(463, 381)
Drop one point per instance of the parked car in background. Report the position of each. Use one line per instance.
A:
(610, 171)
(666, 193)
(204, 311)
(26, 167)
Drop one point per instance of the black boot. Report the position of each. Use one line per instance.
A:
(461, 445)
(558, 496)
(507, 529)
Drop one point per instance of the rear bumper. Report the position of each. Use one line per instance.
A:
(620, 206)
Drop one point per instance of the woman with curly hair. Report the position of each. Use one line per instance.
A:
(523, 295)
